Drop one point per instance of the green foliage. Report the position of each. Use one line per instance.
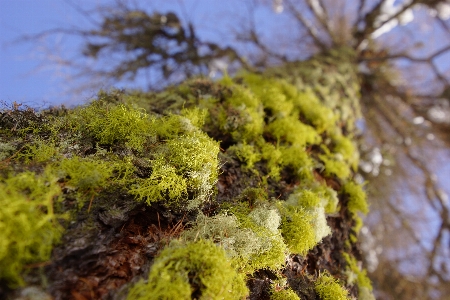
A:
(173, 126)
(274, 158)
(195, 269)
(242, 115)
(196, 116)
(328, 197)
(28, 225)
(329, 289)
(357, 198)
(110, 124)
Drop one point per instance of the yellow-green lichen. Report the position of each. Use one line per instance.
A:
(193, 270)
(251, 245)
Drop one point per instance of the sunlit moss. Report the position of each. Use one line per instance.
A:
(319, 115)
(85, 174)
(274, 158)
(197, 270)
(114, 124)
(28, 224)
(187, 164)
(362, 280)
(290, 130)
(251, 241)
(297, 229)
(39, 151)
(296, 158)
(287, 294)
(313, 205)
(246, 153)
(328, 288)
(334, 165)
(344, 146)
(357, 198)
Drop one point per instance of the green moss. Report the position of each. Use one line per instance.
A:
(272, 93)
(345, 147)
(85, 174)
(313, 205)
(317, 114)
(242, 114)
(184, 172)
(196, 116)
(335, 166)
(328, 197)
(290, 130)
(38, 151)
(246, 153)
(28, 225)
(328, 288)
(362, 280)
(305, 198)
(274, 158)
(296, 158)
(252, 241)
(109, 124)
(197, 270)
(287, 294)
(357, 198)
(297, 229)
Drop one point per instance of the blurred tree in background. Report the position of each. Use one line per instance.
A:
(403, 57)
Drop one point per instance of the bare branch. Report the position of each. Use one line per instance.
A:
(307, 24)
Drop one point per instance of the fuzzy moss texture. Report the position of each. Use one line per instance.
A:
(290, 131)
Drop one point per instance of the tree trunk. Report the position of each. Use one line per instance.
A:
(217, 190)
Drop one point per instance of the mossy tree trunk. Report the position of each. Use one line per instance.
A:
(209, 190)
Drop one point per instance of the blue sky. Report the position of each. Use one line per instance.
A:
(22, 76)
(26, 74)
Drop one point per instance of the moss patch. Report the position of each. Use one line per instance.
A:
(198, 270)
